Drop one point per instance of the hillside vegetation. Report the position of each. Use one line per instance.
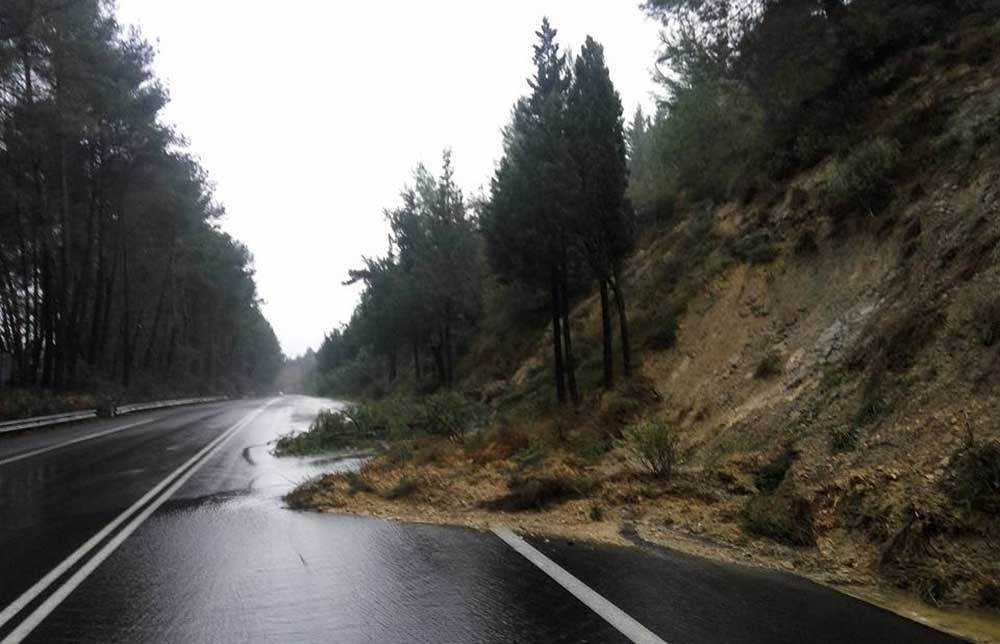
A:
(808, 259)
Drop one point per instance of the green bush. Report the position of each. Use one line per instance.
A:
(864, 182)
(986, 320)
(447, 414)
(715, 140)
(536, 450)
(382, 419)
(331, 430)
(874, 404)
(977, 476)
(653, 445)
(660, 330)
(781, 517)
(772, 474)
(756, 248)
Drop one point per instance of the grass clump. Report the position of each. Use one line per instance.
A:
(653, 446)
(618, 408)
(356, 482)
(769, 367)
(894, 348)
(590, 445)
(864, 182)
(902, 338)
(303, 497)
(806, 245)
(845, 438)
(539, 491)
(781, 517)
(404, 488)
(398, 454)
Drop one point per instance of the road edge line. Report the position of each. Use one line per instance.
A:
(16, 606)
(616, 617)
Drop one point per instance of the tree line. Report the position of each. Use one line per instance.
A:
(113, 269)
(556, 217)
(755, 91)
(752, 92)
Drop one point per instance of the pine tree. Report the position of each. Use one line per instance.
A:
(528, 221)
(602, 225)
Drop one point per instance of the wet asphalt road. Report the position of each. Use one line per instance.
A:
(222, 561)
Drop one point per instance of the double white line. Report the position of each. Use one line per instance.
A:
(158, 495)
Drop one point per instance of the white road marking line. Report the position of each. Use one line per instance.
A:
(613, 615)
(42, 584)
(74, 441)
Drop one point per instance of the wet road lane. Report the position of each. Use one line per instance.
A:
(53, 502)
(223, 561)
(689, 600)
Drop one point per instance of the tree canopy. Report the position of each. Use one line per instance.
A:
(112, 266)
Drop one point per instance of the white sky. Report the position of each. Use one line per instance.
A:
(310, 115)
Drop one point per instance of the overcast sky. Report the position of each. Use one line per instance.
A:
(310, 115)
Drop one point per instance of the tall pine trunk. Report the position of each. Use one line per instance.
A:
(622, 322)
(557, 350)
(606, 337)
(416, 361)
(393, 365)
(574, 392)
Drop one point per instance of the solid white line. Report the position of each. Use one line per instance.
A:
(613, 615)
(42, 584)
(88, 437)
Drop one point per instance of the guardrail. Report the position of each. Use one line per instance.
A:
(58, 419)
(128, 409)
(46, 421)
